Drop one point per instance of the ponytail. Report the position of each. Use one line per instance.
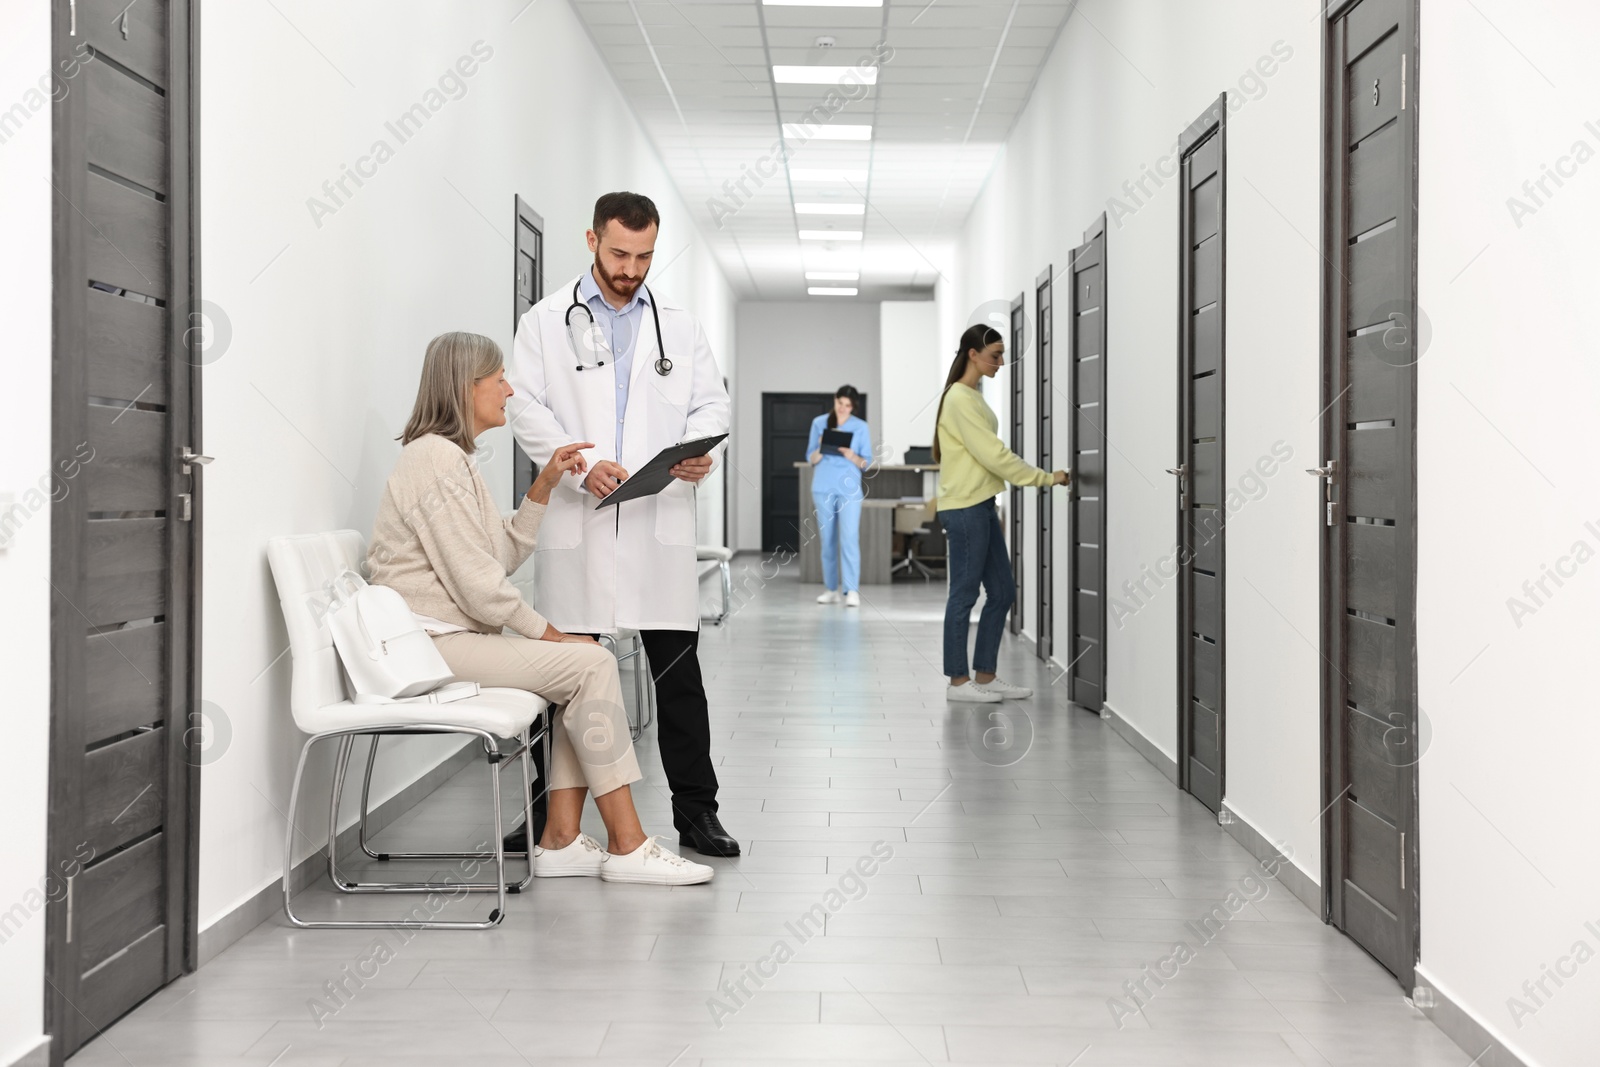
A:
(977, 337)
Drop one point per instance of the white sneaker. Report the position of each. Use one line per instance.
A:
(830, 597)
(651, 864)
(970, 693)
(581, 859)
(852, 600)
(1005, 690)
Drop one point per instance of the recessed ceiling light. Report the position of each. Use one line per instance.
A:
(784, 74)
(823, 3)
(830, 235)
(833, 275)
(827, 132)
(854, 176)
(830, 209)
(832, 290)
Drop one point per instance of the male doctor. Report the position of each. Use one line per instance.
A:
(602, 359)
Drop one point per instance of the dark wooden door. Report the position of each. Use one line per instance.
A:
(1368, 518)
(130, 335)
(785, 429)
(1202, 218)
(1016, 350)
(1045, 427)
(527, 265)
(1086, 512)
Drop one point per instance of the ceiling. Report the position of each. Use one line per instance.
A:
(950, 83)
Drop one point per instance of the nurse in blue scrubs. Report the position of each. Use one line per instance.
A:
(836, 491)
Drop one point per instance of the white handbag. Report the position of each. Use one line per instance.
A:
(387, 657)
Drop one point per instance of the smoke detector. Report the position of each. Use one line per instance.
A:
(825, 42)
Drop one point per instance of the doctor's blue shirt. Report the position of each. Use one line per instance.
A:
(833, 473)
(621, 329)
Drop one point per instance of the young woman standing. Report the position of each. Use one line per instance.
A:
(974, 465)
(836, 491)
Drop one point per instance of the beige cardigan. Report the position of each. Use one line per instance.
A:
(440, 542)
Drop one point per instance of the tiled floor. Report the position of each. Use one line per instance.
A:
(1039, 866)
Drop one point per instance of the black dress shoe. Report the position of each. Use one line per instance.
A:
(707, 837)
(517, 840)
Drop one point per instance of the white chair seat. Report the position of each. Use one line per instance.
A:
(502, 712)
(716, 552)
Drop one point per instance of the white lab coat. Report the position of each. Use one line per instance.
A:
(633, 564)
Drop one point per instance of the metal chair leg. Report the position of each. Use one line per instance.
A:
(366, 796)
(384, 857)
(637, 655)
(494, 917)
(496, 760)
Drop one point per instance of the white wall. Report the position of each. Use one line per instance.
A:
(1099, 118)
(1507, 485)
(915, 364)
(1508, 389)
(796, 347)
(25, 460)
(330, 312)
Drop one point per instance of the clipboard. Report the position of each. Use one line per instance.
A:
(657, 474)
(836, 440)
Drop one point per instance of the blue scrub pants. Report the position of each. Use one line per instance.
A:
(839, 524)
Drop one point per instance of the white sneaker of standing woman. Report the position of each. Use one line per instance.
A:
(969, 692)
(583, 858)
(830, 597)
(852, 599)
(1005, 690)
(651, 864)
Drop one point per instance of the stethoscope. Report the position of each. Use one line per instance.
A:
(663, 364)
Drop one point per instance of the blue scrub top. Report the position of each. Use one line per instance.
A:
(833, 473)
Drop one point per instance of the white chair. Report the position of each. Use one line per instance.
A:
(304, 569)
(724, 558)
(644, 687)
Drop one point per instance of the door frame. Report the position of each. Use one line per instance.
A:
(1096, 231)
(1331, 545)
(1213, 118)
(1014, 498)
(186, 336)
(522, 467)
(1043, 413)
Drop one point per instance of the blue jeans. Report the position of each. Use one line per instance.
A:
(977, 550)
(839, 524)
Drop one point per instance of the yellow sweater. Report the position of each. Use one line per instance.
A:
(974, 464)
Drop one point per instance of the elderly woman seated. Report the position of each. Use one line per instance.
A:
(440, 542)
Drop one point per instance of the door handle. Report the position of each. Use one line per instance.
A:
(1181, 471)
(190, 458)
(1329, 472)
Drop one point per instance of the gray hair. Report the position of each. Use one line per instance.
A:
(454, 363)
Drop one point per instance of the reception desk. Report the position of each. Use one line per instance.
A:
(885, 489)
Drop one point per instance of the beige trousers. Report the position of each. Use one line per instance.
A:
(590, 745)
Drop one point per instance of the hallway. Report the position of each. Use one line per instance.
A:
(1032, 881)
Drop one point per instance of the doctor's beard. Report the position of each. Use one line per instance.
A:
(623, 287)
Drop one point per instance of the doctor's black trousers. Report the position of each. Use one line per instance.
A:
(683, 723)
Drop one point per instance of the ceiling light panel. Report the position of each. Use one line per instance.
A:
(830, 235)
(822, 3)
(802, 174)
(833, 131)
(830, 209)
(784, 74)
